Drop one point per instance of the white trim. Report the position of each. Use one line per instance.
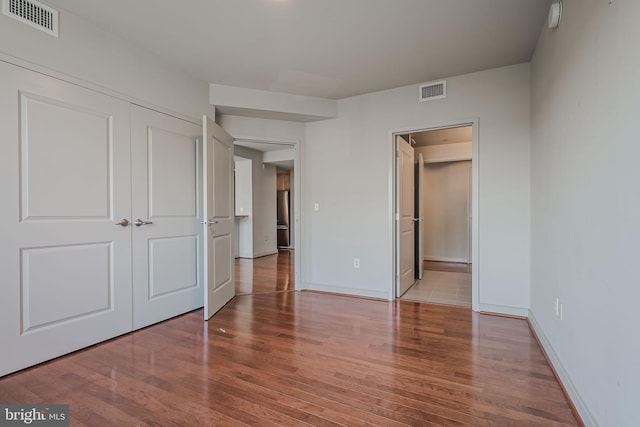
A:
(563, 375)
(347, 291)
(96, 88)
(503, 309)
(475, 224)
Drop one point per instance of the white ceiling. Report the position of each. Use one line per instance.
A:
(325, 48)
(265, 146)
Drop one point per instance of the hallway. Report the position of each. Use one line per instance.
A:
(272, 273)
(442, 283)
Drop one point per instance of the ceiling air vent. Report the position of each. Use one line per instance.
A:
(32, 13)
(433, 90)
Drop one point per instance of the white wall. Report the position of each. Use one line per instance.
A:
(270, 105)
(348, 171)
(244, 185)
(292, 203)
(97, 57)
(243, 196)
(446, 231)
(261, 129)
(262, 218)
(265, 240)
(586, 205)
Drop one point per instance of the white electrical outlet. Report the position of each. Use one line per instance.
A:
(356, 263)
(316, 207)
(557, 307)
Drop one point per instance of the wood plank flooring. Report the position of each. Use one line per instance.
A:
(303, 358)
(271, 273)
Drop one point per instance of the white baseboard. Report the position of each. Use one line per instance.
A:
(503, 309)
(368, 293)
(561, 372)
(444, 259)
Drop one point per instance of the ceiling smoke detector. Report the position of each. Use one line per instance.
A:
(555, 14)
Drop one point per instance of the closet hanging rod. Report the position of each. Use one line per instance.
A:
(264, 141)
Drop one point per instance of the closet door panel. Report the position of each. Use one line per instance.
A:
(65, 266)
(167, 245)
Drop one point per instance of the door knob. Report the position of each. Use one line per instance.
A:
(208, 222)
(138, 222)
(123, 222)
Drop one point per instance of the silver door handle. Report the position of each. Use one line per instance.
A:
(417, 219)
(123, 222)
(138, 222)
(208, 222)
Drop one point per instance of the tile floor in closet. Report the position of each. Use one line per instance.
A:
(443, 283)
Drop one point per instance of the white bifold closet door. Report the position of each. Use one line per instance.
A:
(166, 166)
(79, 170)
(65, 264)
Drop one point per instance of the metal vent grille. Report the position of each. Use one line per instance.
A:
(32, 13)
(433, 90)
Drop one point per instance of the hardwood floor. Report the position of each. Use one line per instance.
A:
(294, 358)
(272, 273)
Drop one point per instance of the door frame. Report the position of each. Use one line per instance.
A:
(297, 164)
(475, 199)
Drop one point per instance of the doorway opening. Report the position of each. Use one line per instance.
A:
(266, 202)
(436, 214)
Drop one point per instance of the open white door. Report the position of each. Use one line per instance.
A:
(218, 216)
(419, 218)
(405, 229)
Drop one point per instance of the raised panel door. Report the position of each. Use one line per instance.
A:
(65, 264)
(166, 161)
